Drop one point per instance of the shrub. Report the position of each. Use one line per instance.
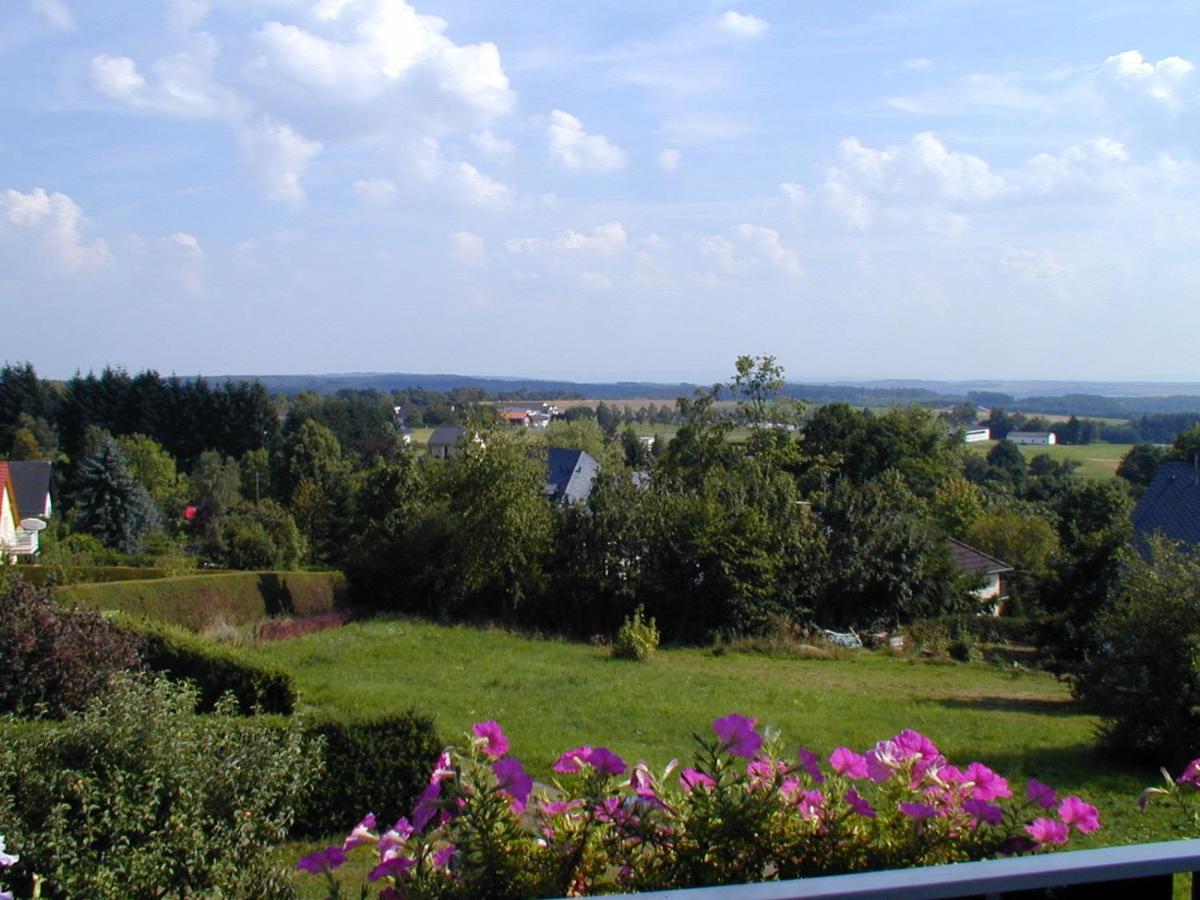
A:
(380, 763)
(215, 669)
(138, 797)
(54, 660)
(637, 637)
(742, 813)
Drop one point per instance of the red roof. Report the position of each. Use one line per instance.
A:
(6, 485)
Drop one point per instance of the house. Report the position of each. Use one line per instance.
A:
(31, 487)
(1046, 438)
(570, 475)
(16, 538)
(975, 435)
(1170, 507)
(518, 418)
(970, 561)
(443, 443)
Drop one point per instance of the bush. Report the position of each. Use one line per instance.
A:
(215, 669)
(138, 797)
(637, 638)
(54, 660)
(379, 764)
(64, 575)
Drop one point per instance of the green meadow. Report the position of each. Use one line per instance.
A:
(1095, 460)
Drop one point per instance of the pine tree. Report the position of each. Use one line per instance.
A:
(110, 503)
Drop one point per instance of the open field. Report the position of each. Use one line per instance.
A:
(551, 695)
(1095, 460)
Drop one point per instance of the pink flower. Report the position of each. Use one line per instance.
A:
(391, 868)
(441, 858)
(442, 770)
(738, 736)
(881, 761)
(1047, 831)
(694, 778)
(917, 811)
(987, 785)
(1083, 816)
(570, 762)
(606, 762)
(858, 804)
(427, 805)
(982, 811)
(495, 743)
(810, 763)
(559, 807)
(513, 781)
(392, 841)
(846, 762)
(811, 805)
(1041, 794)
(1191, 774)
(361, 833)
(323, 861)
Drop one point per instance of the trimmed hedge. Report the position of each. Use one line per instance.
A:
(197, 601)
(379, 765)
(63, 575)
(214, 668)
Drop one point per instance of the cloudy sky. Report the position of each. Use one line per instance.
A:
(620, 189)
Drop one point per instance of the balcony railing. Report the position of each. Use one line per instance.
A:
(1133, 872)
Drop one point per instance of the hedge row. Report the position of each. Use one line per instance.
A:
(198, 601)
(62, 575)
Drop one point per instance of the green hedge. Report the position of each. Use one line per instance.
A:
(63, 575)
(378, 766)
(198, 601)
(214, 668)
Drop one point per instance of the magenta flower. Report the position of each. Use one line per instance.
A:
(846, 762)
(606, 762)
(694, 778)
(738, 736)
(391, 868)
(949, 775)
(495, 743)
(569, 763)
(881, 763)
(913, 743)
(1041, 794)
(361, 833)
(1191, 774)
(427, 805)
(987, 785)
(559, 807)
(442, 770)
(811, 804)
(811, 763)
(322, 861)
(1083, 816)
(1047, 831)
(859, 805)
(392, 841)
(982, 811)
(442, 857)
(7, 859)
(917, 811)
(513, 781)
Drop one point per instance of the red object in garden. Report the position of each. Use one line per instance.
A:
(189, 512)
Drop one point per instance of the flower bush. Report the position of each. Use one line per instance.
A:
(744, 811)
(1180, 794)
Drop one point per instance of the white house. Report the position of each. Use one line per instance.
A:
(970, 561)
(1045, 438)
(975, 435)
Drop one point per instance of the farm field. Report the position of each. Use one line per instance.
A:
(1095, 460)
(551, 695)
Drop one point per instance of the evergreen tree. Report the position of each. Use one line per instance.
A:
(110, 503)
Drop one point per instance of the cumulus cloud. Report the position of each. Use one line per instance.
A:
(467, 249)
(183, 85)
(603, 240)
(188, 242)
(742, 26)
(750, 248)
(1036, 266)
(57, 224)
(55, 12)
(576, 150)
(1169, 81)
(669, 159)
(461, 180)
(378, 191)
(496, 149)
(278, 156)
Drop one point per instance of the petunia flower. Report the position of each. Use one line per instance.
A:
(738, 736)
(858, 804)
(1041, 794)
(571, 761)
(361, 833)
(442, 857)
(6, 859)
(982, 811)
(558, 807)
(391, 868)
(846, 762)
(495, 744)
(987, 785)
(810, 763)
(811, 805)
(322, 861)
(513, 781)
(605, 761)
(917, 811)
(1191, 774)
(427, 805)
(1082, 816)
(1047, 831)
(442, 770)
(694, 778)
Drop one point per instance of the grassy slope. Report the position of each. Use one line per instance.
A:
(551, 695)
(1096, 460)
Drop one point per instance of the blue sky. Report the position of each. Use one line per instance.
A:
(941, 189)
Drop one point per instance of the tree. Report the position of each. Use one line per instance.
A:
(256, 536)
(1025, 540)
(151, 465)
(1140, 464)
(110, 503)
(1007, 466)
(214, 482)
(588, 436)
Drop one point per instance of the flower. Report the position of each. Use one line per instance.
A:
(1047, 831)
(393, 867)
(427, 805)
(846, 762)
(392, 841)
(322, 861)
(694, 778)
(1083, 816)
(1041, 794)
(1191, 774)
(917, 811)
(442, 770)
(987, 785)
(495, 744)
(811, 805)
(570, 762)
(982, 811)
(6, 859)
(513, 781)
(810, 763)
(558, 807)
(442, 857)
(738, 735)
(606, 762)
(858, 804)
(361, 833)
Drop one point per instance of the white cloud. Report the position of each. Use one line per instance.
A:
(184, 15)
(917, 64)
(576, 150)
(184, 84)
(188, 242)
(497, 149)
(976, 94)
(748, 249)
(1038, 267)
(378, 191)
(794, 191)
(56, 12)
(1167, 81)
(478, 189)
(604, 240)
(669, 159)
(742, 26)
(278, 157)
(467, 249)
(57, 223)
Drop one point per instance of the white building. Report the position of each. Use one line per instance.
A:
(1045, 438)
(975, 435)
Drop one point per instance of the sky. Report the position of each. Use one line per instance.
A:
(596, 191)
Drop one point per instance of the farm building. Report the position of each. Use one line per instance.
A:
(975, 435)
(1045, 438)
(975, 562)
(570, 475)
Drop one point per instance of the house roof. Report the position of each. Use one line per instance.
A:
(6, 482)
(31, 484)
(1170, 506)
(1030, 434)
(569, 474)
(445, 436)
(975, 562)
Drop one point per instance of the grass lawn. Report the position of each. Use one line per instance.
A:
(551, 695)
(1095, 460)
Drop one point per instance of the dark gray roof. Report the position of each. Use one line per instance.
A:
(1169, 507)
(569, 475)
(31, 485)
(446, 435)
(975, 562)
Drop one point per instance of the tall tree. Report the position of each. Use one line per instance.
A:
(110, 503)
